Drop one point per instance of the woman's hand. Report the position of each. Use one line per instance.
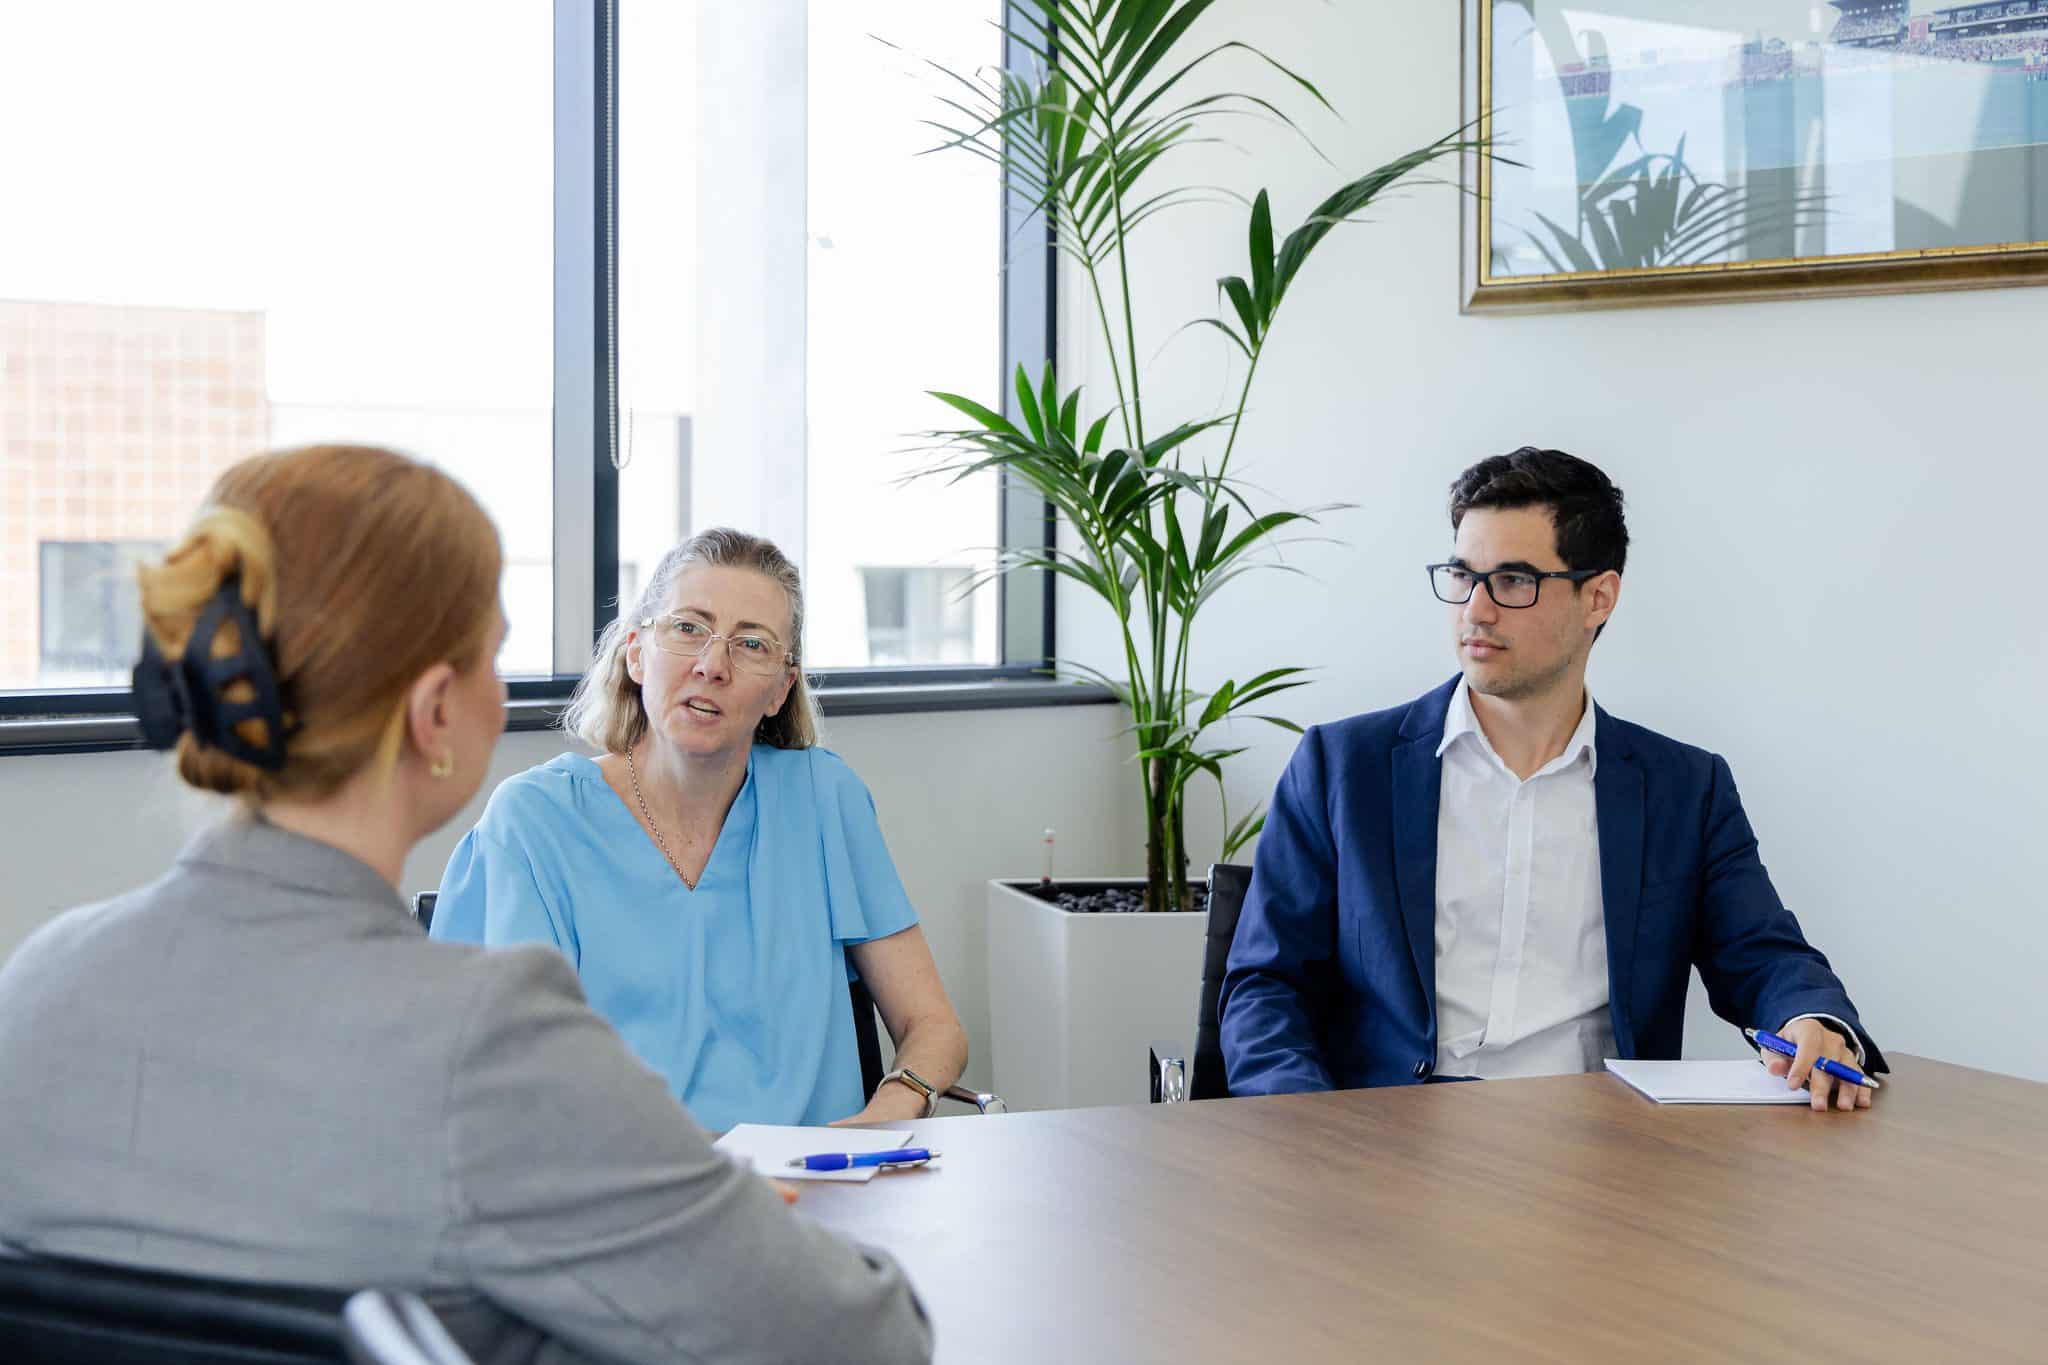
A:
(894, 1103)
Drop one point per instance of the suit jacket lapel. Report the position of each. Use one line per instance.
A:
(1618, 806)
(1418, 783)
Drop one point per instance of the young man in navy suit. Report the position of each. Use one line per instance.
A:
(1500, 878)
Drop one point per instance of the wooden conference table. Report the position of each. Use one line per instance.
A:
(1562, 1219)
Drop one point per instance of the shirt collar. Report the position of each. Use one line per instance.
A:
(1460, 720)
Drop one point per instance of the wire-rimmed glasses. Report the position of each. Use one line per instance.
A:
(751, 651)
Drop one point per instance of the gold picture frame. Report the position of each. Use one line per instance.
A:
(1559, 135)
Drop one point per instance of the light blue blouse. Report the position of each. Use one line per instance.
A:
(736, 991)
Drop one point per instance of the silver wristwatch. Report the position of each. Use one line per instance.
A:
(917, 1083)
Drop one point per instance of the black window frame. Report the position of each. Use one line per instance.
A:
(586, 481)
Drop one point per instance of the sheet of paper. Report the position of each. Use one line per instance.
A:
(1736, 1082)
(770, 1148)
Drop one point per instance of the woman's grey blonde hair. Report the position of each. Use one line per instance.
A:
(606, 711)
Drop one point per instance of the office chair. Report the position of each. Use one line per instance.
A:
(1169, 1074)
(66, 1310)
(867, 1035)
(386, 1327)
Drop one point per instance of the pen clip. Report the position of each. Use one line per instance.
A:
(924, 1160)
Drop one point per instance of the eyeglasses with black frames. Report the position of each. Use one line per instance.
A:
(1514, 588)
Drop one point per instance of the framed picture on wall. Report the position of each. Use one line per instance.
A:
(1661, 151)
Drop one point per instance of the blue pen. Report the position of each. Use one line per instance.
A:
(1765, 1038)
(840, 1161)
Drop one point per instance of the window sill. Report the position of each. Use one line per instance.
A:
(863, 698)
(868, 693)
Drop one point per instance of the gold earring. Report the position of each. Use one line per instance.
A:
(444, 766)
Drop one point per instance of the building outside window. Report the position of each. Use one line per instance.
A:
(918, 615)
(91, 615)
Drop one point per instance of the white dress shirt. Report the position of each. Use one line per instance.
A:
(1521, 935)
(1521, 929)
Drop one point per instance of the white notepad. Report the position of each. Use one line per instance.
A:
(770, 1148)
(1736, 1082)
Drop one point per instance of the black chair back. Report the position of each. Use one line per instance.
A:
(867, 1037)
(65, 1310)
(1227, 884)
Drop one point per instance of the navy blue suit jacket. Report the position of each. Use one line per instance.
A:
(1332, 976)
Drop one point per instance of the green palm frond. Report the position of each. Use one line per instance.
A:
(1117, 92)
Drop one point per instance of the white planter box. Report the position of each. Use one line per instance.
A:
(1074, 1000)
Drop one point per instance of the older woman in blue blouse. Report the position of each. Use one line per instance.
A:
(713, 875)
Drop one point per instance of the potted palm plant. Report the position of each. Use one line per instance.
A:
(1153, 521)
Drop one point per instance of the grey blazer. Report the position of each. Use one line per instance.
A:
(259, 1068)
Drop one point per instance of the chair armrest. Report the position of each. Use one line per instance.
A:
(980, 1099)
(1168, 1071)
(381, 1327)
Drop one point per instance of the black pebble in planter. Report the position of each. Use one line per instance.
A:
(1106, 898)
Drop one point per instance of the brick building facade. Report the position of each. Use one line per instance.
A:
(113, 423)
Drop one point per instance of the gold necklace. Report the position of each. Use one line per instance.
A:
(634, 773)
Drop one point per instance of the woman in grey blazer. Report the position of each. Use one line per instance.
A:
(258, 1068)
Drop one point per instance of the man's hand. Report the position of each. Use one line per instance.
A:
(1816, 1040)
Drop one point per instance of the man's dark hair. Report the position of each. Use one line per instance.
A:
(1584, 504)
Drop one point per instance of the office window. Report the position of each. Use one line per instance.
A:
(793, 277)
(255, 225)
(242, 224)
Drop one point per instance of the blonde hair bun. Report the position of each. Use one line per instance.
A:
(330, 547)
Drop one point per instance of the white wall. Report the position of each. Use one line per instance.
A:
(1832, 577)
(963, 796)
